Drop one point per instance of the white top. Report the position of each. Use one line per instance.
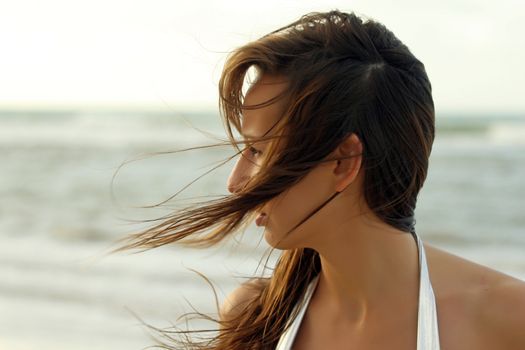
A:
(427, 323)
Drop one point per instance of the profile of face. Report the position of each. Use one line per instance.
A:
(293, 205)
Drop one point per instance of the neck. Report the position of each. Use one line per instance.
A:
(367, 268)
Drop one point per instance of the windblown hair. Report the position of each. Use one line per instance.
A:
(345, 75)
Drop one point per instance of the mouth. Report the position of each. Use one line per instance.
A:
(261, 219)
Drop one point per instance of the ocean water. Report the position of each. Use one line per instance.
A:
(58, 217)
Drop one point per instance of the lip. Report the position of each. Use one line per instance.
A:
(261, 219)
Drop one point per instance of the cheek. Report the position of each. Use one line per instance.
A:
(295, 204)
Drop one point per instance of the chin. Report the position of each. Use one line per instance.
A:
(276, 241)
(271, 239)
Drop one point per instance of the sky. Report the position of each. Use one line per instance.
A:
(169, 54)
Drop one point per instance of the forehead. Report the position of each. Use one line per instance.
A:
(256, 122)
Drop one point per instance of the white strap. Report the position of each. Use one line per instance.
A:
(287, 338)
(427, 323)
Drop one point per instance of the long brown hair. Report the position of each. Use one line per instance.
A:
(346, 75)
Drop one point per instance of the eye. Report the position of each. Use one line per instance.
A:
(254, 151)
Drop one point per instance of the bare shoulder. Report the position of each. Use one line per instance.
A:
(468, 276)
(503, 313)
(236, 301)
(491, 302)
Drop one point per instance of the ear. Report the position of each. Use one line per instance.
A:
(347, 168)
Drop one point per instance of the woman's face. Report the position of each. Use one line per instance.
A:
(293, 205)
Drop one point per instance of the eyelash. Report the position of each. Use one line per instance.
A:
(254, 151)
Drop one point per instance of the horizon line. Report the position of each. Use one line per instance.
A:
(202, 107)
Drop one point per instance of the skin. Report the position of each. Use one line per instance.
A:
(367, 295)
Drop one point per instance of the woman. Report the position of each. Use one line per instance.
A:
(338, 128)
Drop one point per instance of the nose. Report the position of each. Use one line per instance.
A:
(239, 175)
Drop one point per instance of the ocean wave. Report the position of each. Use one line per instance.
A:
(507, 133)
(111, 130)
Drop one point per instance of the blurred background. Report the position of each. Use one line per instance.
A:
(88, 85)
